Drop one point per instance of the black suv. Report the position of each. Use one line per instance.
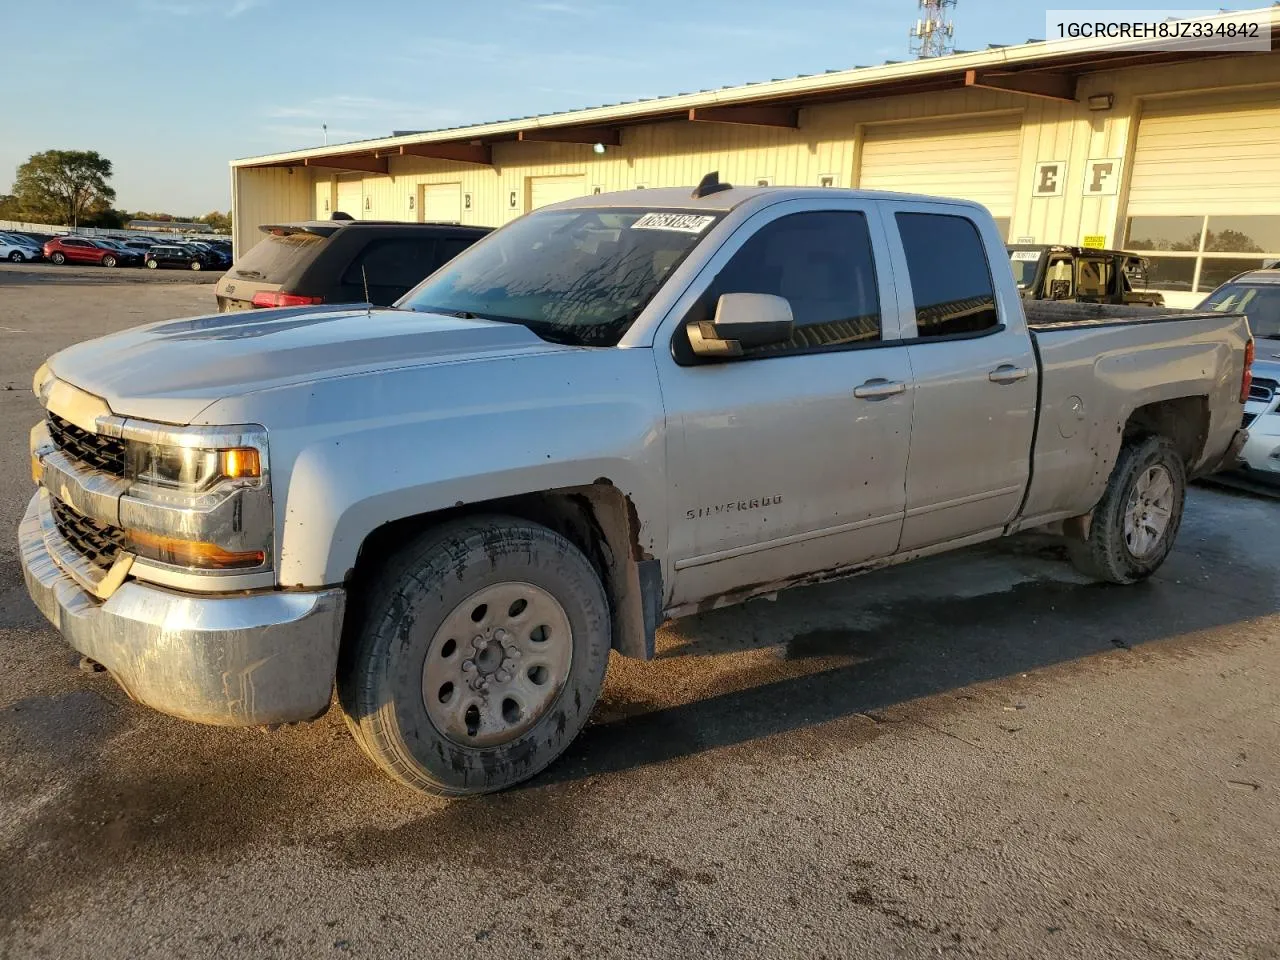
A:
(174, 255)
(340, 261)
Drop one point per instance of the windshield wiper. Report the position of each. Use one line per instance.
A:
(460, 314)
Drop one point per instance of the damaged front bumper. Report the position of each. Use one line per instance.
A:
(233, 659)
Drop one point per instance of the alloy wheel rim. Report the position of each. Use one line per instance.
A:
(497, 664)
(1149, 511)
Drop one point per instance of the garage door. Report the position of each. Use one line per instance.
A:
(442, 202)
(1204, 195)
(974, 159)
(351, 198)
(324, 199)
(545, 190)
(1207, 156)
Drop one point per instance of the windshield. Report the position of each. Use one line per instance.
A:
(571, 276)
(275, 256)
(1024, 263)
(1260, 301)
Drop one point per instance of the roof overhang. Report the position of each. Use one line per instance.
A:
(1035, 69)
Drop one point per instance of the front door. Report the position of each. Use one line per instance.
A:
(975, 378)
(790, 460)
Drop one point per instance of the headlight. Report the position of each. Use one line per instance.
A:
(191, 469)
(42, 381)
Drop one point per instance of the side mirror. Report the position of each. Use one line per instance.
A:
(742, 320)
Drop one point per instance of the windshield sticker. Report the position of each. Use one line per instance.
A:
(1025, 255)
(680, 222)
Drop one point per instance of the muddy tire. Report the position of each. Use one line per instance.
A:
(479, 653)
(1136, 522)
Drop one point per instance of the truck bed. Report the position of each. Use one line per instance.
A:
(1101, 362)
(1056, 314)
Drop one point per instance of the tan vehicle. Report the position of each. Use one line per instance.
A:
(613, 411)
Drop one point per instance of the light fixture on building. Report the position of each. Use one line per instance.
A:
(598, 148)
(1101, 101)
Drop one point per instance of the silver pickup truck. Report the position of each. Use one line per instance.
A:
(615, 410)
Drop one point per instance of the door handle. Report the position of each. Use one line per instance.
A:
(1008, 373)
(879, 389)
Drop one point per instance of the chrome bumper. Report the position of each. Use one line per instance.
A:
(233, 660)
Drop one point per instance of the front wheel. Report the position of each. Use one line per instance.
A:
(481, 651)
(59, 257)
(1136, 522)
(153, 265)
(196, 265)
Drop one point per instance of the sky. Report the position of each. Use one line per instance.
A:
(171, 90)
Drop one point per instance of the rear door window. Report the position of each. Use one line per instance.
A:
(391, 268)
(276, 256)
(950, 277)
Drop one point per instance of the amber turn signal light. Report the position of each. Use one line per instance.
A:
(240, 462)
(191, 553)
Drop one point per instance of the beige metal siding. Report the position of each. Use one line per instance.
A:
(971, 158)
(440, 203)
(268, 195)
(545, 190)
(1213, 155)
(351, 197)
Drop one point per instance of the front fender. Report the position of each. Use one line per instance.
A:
(355, 453)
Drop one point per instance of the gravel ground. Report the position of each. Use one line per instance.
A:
(979, 755)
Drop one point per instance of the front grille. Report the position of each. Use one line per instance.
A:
(95, 450)
(1263, 390)
(1249, 418)
(99, 543)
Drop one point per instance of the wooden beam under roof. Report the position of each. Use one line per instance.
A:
(752, 115)
(609, 136)
(1046, 86)
(359, 162)
(480, 153)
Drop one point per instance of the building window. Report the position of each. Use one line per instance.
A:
(1199, 254)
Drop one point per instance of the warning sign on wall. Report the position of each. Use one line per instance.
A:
(1095, 240)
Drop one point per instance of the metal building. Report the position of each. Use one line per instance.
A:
(1097, 142)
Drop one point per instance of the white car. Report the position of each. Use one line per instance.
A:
(18, 249)
(1257, 295)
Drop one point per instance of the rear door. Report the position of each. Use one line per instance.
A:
(975, 376)
(80, 251)
(790, 460)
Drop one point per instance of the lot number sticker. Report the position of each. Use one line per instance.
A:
(1021, 255)
(680, 222)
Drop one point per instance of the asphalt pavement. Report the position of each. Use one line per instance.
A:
(978, 755)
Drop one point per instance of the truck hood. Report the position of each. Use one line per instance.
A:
(170, 371)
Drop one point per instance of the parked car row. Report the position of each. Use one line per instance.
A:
(19, 248)
(112, 252)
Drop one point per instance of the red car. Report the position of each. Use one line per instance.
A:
(62, 250)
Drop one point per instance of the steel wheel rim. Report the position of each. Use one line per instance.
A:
(497, 664)
(1149, 511)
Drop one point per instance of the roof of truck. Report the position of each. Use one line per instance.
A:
(729, 197)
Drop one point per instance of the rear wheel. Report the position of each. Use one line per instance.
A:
(480, 654)
(17, 257)
(109, 261)
(1136, 522)
(58, 257)
(153, 264)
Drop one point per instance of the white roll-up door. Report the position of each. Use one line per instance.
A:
(351, 198)
(974, 158)
(442, 202)
(1207, 155)
(545, 190)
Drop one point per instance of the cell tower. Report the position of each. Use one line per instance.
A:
(933, 34)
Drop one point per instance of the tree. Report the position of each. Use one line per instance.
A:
(64, 185)
(219, 221)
